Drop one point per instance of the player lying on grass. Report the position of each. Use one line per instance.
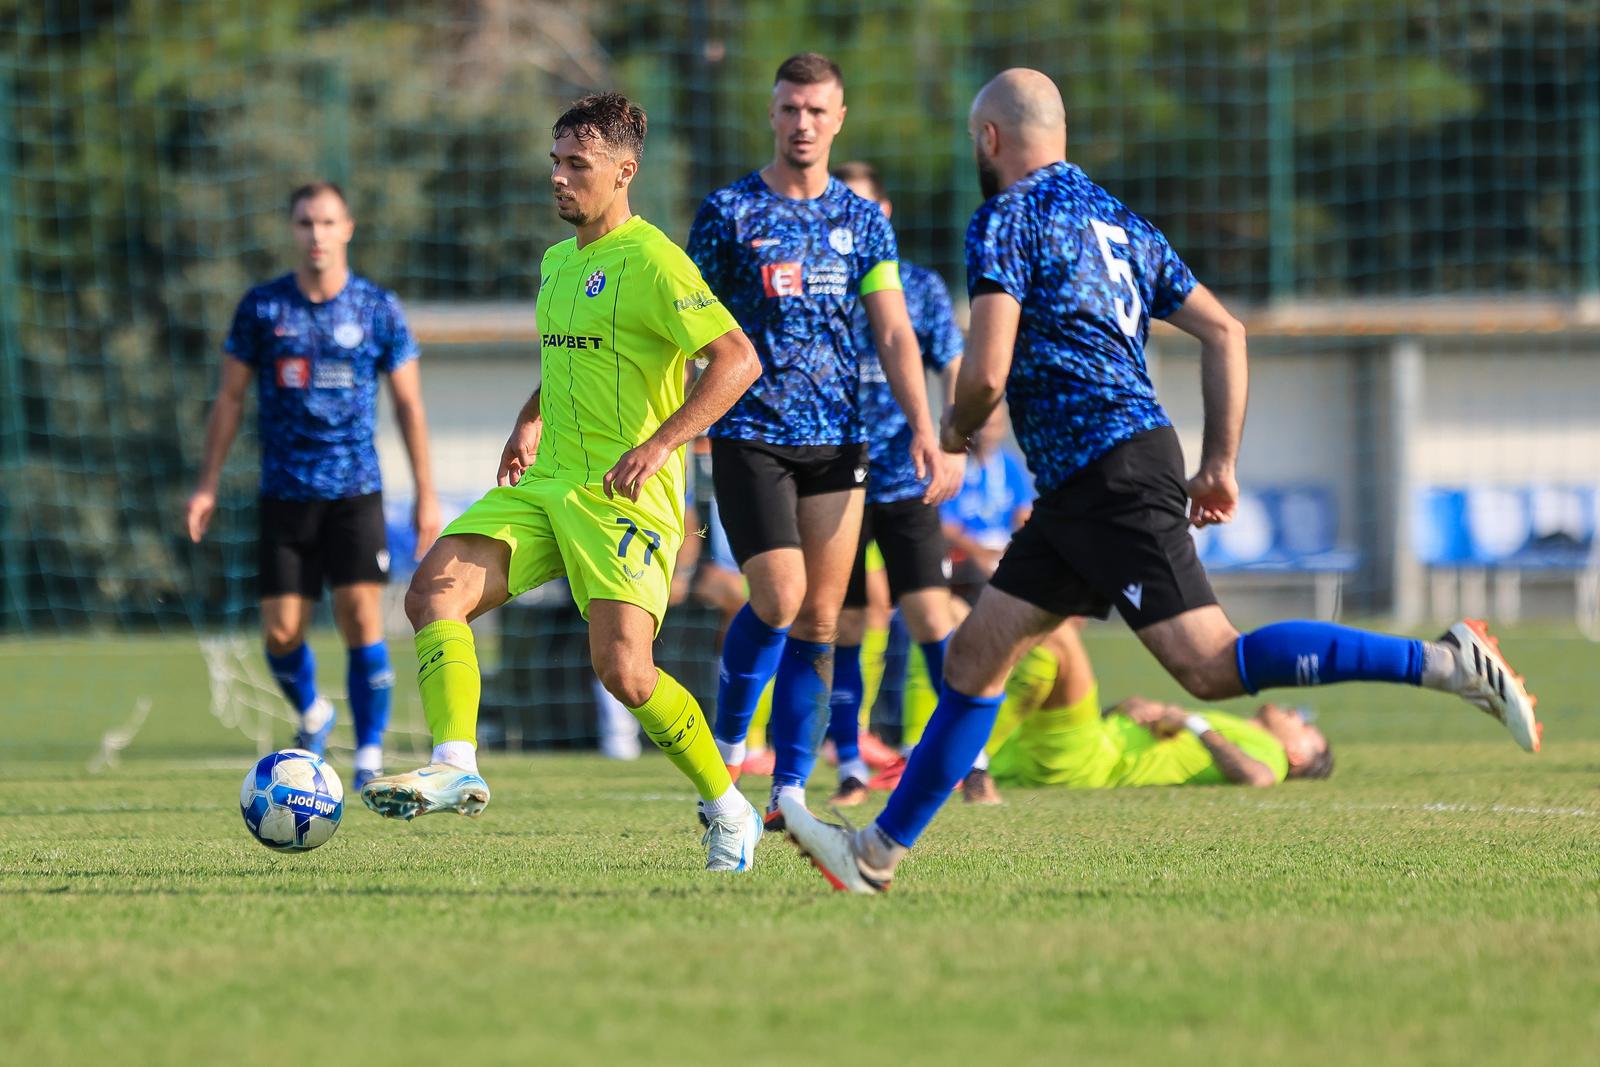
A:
(314, 343)
(591, 482)
(1064, 280)
(1051, 732)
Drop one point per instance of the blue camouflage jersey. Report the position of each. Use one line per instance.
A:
(317, 371)
(792, 272)
(893, 475)
(1089, 274)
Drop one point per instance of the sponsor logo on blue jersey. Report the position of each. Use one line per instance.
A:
(790, 271)
(317, 368)
(1089, 274)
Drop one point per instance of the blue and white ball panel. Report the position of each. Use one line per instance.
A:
(291, 800)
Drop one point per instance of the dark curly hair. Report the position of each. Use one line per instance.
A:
(612, 117)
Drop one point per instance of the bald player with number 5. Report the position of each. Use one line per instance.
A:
(1064, 280)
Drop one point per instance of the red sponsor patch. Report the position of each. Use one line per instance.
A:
(294, 373)
(783, 279)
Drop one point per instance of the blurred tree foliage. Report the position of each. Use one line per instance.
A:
(1291, 148)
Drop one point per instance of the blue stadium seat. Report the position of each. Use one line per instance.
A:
(1541, 527)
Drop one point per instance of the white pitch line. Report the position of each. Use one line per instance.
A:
(1438, 805)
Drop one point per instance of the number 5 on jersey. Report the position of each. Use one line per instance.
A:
(1121, 271)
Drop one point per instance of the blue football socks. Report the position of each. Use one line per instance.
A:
(892, 689)
(750, 654)
(799, 707)
(954, 737)
(933, 656)
(371, 681)
(296, 672)
(1287, 654)
(844, 705)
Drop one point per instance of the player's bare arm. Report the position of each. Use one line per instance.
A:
(1224, 388)
(732, 366)
(901, 359)
(1230, 759)
(222, 426)
(981, 384)
(405, 386)
(522, 447)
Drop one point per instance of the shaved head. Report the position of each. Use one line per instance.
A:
(1018, 124)
(1023, 103)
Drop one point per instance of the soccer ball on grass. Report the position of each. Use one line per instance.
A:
(291, 800)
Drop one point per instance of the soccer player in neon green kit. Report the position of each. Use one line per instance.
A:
(591, 482)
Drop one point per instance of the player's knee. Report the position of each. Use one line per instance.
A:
(630, 682)
(777, 605)
(819, 627)
(424, 601)
(1208, 680)
(281, 639)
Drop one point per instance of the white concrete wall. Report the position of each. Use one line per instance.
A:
(1509, 416)
(1300, 428)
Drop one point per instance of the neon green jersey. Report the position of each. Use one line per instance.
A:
(1184, 760)
(618, 318)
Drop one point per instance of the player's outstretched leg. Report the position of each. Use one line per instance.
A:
(620, 636)
(1212, 660)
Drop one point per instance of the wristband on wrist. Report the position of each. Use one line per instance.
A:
(1197, 725)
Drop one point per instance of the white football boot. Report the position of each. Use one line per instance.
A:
(831, 849)
(731, 840)
(1485, 680)
(434, 788)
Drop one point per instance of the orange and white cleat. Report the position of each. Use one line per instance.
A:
(831, 850)
(1485, 680)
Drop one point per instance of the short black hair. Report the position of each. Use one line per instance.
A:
(808, 68)
(317, 188)
(1320, 767)
(611, 117)
(857, 171)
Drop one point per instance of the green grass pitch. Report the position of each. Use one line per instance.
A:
(1437, 901)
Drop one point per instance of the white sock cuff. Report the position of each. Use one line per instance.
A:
(854, 768)
(796, 791)
(733, 752)
(1439, 666)
(982, 762)
(730, 803)
(463, 754)
(369, 758)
